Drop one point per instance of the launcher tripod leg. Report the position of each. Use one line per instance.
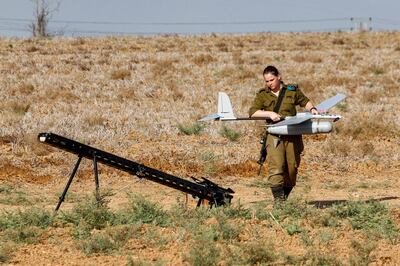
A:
(62, 197)
(96, 177)
(199, 203)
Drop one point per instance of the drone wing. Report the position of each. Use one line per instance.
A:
(225, 112)
(327, 104)
(324, 106)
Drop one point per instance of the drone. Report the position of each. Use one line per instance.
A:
(301, 123)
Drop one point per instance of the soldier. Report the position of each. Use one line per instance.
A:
(283, 151)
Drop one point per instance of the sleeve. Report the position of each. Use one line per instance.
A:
(258, 104)
(301, 99)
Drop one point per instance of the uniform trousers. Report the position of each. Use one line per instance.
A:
(283, 159)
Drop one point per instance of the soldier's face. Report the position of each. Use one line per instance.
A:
(273, 82)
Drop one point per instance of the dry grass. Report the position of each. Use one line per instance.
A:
(152, 92)
(127, 95)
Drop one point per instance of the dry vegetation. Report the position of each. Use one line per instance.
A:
(139, 97)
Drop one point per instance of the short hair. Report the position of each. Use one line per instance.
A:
(271, 70)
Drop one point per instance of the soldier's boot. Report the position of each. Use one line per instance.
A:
(278, 193)
(286, 191)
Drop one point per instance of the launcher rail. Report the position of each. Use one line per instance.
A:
(201, 189)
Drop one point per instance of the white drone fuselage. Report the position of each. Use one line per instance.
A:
(302, 123)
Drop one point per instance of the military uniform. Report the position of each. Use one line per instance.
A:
(283, 151)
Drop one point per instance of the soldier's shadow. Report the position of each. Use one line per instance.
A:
(322, 204)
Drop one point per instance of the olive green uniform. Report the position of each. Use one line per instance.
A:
(283, 151)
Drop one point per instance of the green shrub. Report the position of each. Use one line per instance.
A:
(190, 219)
(98, 243)
(292, 229)
(316, 258)
(82, 230)
(204, 251)
(31, 217)
(236, 211)
(141, 210)
(257, 253)
(6, 251)
(210, 163)
(194, 129)
(28, 234)
(105, 241)
(293, 208)
(226, 230)
(372, 217)
(229, 133)
(94, 211)
(363, 251)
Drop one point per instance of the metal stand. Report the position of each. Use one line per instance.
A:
(62, 197)
(96, 177)
(204, 190)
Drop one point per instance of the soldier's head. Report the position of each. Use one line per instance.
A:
(272, 78)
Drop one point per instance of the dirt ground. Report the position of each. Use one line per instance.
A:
(318, 186)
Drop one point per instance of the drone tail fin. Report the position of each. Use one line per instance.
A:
(225, 110)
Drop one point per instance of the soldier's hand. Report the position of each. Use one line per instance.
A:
(275, 117)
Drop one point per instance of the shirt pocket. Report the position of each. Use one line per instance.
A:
(288, 106)
(268, 105)
(289, 100)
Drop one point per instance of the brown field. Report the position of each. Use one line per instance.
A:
(132, 96)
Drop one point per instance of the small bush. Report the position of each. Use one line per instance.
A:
(31, 217)
(98, 243)
(105, 241)
(363, 251)
(292, 229)
(82, 230)
(190, 218)
(236, 211)
(20, 108)
(229, 134)
(6, 252)
(204, 252)
(210, 163)
(259, 253)
(26, 88)
(338, 41)
(372, 217)
(194, 129)
(141, 210)
(120, 74)
(95, 120)
(226, 230)
(203, 59)
(32, 49)
(292, 208)
(6, 188)
(315, 258)
(28, 234)
(94, 211)
(162, 68)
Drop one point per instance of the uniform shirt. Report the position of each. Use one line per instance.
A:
(265, 100)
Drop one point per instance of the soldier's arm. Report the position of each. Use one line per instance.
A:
(256, 105)
(257, 109)
(267, 115)
(303, 101)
